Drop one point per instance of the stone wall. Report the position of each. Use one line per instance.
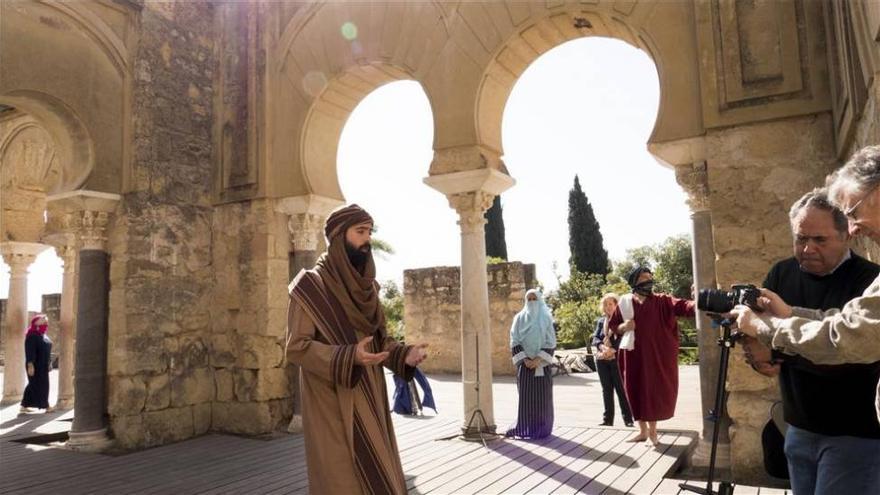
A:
(249, 323)
(755, 173)
(432, 312)
(161, 383)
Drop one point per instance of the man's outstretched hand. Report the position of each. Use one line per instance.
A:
(416, 354)
(364, 357)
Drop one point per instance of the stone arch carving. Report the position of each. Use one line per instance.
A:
(72, 145)
(539, 33)
(81, 89)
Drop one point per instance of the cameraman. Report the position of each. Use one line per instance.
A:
(848, 335)
(827, 407)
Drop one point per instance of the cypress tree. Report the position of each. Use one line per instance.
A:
(588, 255)
(496, 246)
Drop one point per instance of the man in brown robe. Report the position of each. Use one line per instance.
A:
(336, 333)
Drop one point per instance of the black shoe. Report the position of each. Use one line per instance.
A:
(606, 423)
(629, 424)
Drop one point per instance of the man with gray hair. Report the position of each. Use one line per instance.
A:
(837, 336)
(827, 408)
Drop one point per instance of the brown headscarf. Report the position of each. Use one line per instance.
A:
(358, 294)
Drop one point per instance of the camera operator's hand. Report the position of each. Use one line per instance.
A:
(760, 357)
(747, 322)
(770, 301)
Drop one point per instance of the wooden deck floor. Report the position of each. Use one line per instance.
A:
(575, 459)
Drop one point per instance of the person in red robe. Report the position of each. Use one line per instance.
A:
(650, 369)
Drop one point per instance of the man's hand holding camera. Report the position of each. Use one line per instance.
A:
(749, 323)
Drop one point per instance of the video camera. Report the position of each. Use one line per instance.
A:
(721, 301)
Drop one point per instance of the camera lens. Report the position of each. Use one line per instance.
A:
(715, 301)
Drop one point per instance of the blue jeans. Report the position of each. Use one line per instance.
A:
(827, 465)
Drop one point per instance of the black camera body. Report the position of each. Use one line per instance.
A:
(721, 301)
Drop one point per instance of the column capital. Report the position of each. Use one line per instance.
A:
(470, 193)
(307, 214)
(471, 208)
(20, 255)
(83, 214)
(693, 178)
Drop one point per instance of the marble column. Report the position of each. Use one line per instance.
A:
(306, 217)
(68, 253)
(694, 180)
(471, 193)
(19, 256)
(86, 216)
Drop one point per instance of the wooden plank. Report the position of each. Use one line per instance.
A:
(587, 474)
(525, 453)
(536, 478)
(666, 486)
(670, 459)
(631, 476)
(513, 481)
(593, 450)
(628, 465)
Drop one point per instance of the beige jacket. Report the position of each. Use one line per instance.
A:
(847, 335)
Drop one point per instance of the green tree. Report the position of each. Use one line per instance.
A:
(496, 245)
(392, 305)
(670, 261)
(588, 254)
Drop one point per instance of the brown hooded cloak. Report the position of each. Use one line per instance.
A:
(349, 437)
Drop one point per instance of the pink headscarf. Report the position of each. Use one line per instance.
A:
(39, 325)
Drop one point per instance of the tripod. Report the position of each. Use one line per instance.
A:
(727, 342)
(477, 415)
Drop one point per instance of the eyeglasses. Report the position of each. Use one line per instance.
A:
(851, 211)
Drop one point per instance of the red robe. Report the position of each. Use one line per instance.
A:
(650, 370)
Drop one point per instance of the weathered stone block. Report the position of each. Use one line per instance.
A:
(126, 395)
(201, 418)
(249, 418)
(194, 386)
(128, 431)
(158, 392)
(256, 351)
(223, 354)
(167, 425)
(223, 385)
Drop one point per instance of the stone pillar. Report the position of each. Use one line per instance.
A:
(86, 215)
(306, 217)
(693, 179)
(19, 256)
(68, 253)
(471, 193)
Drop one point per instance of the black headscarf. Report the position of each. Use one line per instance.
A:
(633, 277)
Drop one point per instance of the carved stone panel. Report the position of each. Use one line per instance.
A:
(238, 89)
(761, 60)
(848, 84)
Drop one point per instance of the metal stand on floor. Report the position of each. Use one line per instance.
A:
(482, 425)
(727, 342)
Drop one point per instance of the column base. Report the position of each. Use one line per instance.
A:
(479, 433)
(702, 453)
(296, 424)
(10, 400)
(89, 441)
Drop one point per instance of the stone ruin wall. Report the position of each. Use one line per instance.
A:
(755, 173)
(161, 384)
(432, 313)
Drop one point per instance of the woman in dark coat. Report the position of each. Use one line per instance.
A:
(37, 351)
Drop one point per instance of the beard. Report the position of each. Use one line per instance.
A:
(358, 256)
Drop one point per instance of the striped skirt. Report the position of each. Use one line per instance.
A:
(535, 412)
